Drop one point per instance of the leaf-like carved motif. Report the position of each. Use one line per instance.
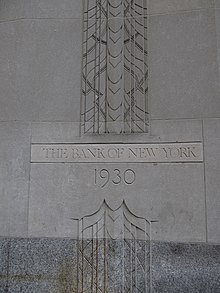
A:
(114, 67)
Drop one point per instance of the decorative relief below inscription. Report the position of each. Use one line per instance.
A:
(117, 153)
(113, 242)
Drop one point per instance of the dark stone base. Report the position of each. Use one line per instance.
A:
(50, 266)
(193, 268)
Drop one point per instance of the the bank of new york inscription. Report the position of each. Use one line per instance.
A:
(117, 153)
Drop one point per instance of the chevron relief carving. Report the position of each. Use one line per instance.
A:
(112, 242)
(114, 67)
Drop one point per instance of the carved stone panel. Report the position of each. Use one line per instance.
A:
(114, 67)
(113, 243)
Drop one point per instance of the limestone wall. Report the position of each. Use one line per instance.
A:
(40, 72)
(40, 89)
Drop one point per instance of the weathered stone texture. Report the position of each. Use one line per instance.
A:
(178, 6)
(40, 70)
(185, 268)
(183, 78)
(13, 9)
(15, 140)
(4, 255)
(212, 173)
(50, 265)
(42, 265)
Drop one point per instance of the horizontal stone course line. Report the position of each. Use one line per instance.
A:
(136, 17)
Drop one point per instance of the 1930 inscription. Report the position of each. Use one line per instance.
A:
(116, 176)
(117, 153)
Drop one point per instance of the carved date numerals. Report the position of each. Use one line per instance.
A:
(104, 176)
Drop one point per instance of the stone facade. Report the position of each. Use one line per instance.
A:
(41, 45)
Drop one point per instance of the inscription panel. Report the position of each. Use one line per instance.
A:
(117, 153)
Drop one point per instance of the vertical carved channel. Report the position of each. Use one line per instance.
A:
(113, 251)
(114, 67)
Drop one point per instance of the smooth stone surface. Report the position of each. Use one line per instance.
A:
(212, 165)
(14, 9)
(183, 70)
(185, 268)
(50, 132)
(172, 194)
(42, 265)
(7, 70)
(166, 6)
(217, 3)
(4, 248)
(41, 69)
(176, 130)
(217, 21)
(14, 177)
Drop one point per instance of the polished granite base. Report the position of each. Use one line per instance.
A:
(52, 266)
